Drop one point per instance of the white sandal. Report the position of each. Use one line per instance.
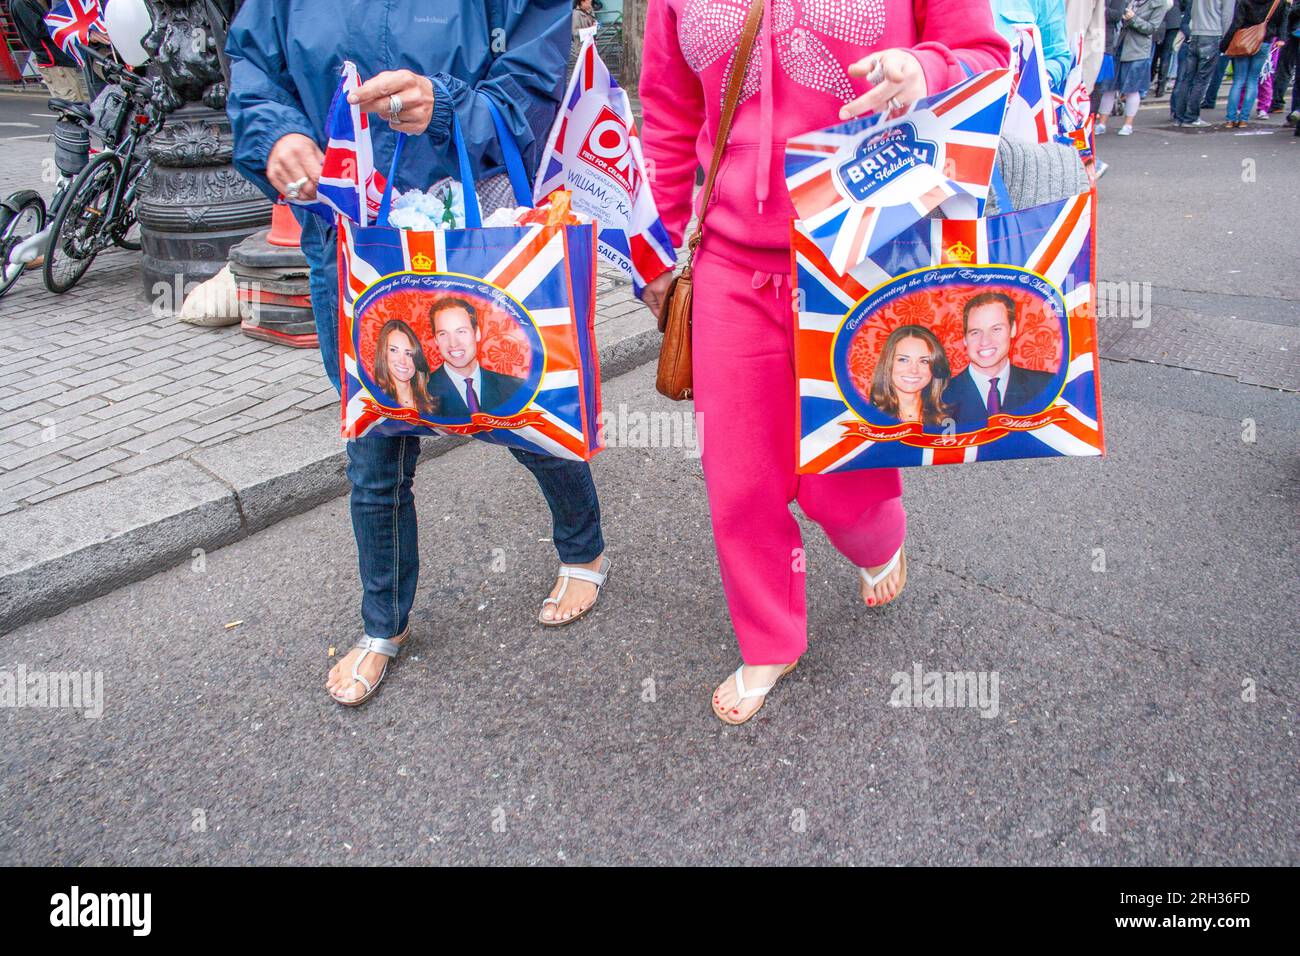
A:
(750, 693)
(372, 645)
(872, 580)
(582, 574)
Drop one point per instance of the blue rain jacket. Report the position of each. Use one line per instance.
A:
(286, 57)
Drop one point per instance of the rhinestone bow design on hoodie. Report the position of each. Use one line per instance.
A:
(708, 29)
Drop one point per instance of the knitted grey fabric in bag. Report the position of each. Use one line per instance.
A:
(494, 193)
(1038, 173)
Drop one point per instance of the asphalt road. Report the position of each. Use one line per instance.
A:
(24, 116)
(1146, 712)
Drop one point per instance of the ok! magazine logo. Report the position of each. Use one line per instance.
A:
(608, 147)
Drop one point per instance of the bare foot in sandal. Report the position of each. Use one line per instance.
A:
(735, 705)
(357, 677)
(340, 684)
(882, 582)
(574, 593)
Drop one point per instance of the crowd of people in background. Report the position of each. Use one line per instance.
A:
(1187, 47)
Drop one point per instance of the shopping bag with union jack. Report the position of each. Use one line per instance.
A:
(857, 185)
(486, 332)
(959, 340)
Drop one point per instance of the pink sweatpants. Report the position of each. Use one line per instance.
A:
(745, 396)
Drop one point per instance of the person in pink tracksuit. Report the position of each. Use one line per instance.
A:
(815, 62)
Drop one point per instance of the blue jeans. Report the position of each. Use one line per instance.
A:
(1162, 61)
(1246, 71)
(381, 469)
(1200, 55)
(1216, 83)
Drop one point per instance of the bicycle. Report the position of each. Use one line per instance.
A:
(24, 215)
(99, 210)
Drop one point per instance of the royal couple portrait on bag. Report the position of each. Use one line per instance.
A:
(432, 362)
(913, 379)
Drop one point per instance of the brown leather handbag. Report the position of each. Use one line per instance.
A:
(1248, 40)
(675, 379)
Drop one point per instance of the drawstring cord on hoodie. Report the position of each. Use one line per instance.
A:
(761, 279)
(761, 183)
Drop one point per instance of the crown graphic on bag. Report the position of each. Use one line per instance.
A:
(421, 263)
(960, 252)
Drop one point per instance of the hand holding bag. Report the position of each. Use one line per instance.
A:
(674, 379)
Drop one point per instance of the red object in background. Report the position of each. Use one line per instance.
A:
(307, 340)
(252, 294)
(285, 230)
(9, 71)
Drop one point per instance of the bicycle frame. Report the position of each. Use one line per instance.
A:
(123, 193)
(133, 169)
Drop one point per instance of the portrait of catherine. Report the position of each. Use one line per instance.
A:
(910, 377)
(401, 369)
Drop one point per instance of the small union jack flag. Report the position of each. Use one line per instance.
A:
(1031, 113)
(1047, 248)
(859, 184)
(1074, 107)
(349, 183)
(594, 151)
(70, 24)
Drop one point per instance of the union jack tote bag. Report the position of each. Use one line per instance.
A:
(959, 340)
(485, 332)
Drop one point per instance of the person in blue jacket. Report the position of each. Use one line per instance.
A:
(1049, 17)
(420, 63)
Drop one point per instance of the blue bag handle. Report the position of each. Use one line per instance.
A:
(473, 212)
(386, 201)
(510, 150)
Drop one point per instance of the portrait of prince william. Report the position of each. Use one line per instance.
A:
(462, 386)
(990, 384)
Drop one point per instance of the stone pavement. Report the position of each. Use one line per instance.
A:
(102, 383)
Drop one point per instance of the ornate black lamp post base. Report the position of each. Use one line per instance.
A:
(195, 206)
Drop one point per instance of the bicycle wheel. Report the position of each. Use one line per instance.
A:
(75, 237)
(126, 229)
(130, 238)
(22, 216)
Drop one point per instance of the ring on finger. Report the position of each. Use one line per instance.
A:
(394, 108)
(894, 105)
(295, 187)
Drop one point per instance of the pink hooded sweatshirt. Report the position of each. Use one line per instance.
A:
(796, 81)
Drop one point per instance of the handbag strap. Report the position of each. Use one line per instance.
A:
(1271, 10)
(731, 97)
